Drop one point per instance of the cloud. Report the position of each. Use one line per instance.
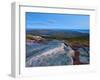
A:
(52, 21)
(39, 23)
(44, 23)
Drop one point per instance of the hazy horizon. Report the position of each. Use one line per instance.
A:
(55, 29)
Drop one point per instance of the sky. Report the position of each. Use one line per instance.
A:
(56, 21)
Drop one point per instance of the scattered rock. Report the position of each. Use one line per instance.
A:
(37, 39)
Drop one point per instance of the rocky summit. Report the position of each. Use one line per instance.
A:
(53, 53)
(42, 52)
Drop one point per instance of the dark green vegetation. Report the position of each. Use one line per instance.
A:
(29, 37)
(82, 40)
(70, 37)
(79, 41)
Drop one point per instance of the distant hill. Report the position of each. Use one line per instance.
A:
(57, 33)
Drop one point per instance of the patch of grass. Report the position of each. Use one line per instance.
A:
(83, 40)
(78, 41)
(29, 37)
